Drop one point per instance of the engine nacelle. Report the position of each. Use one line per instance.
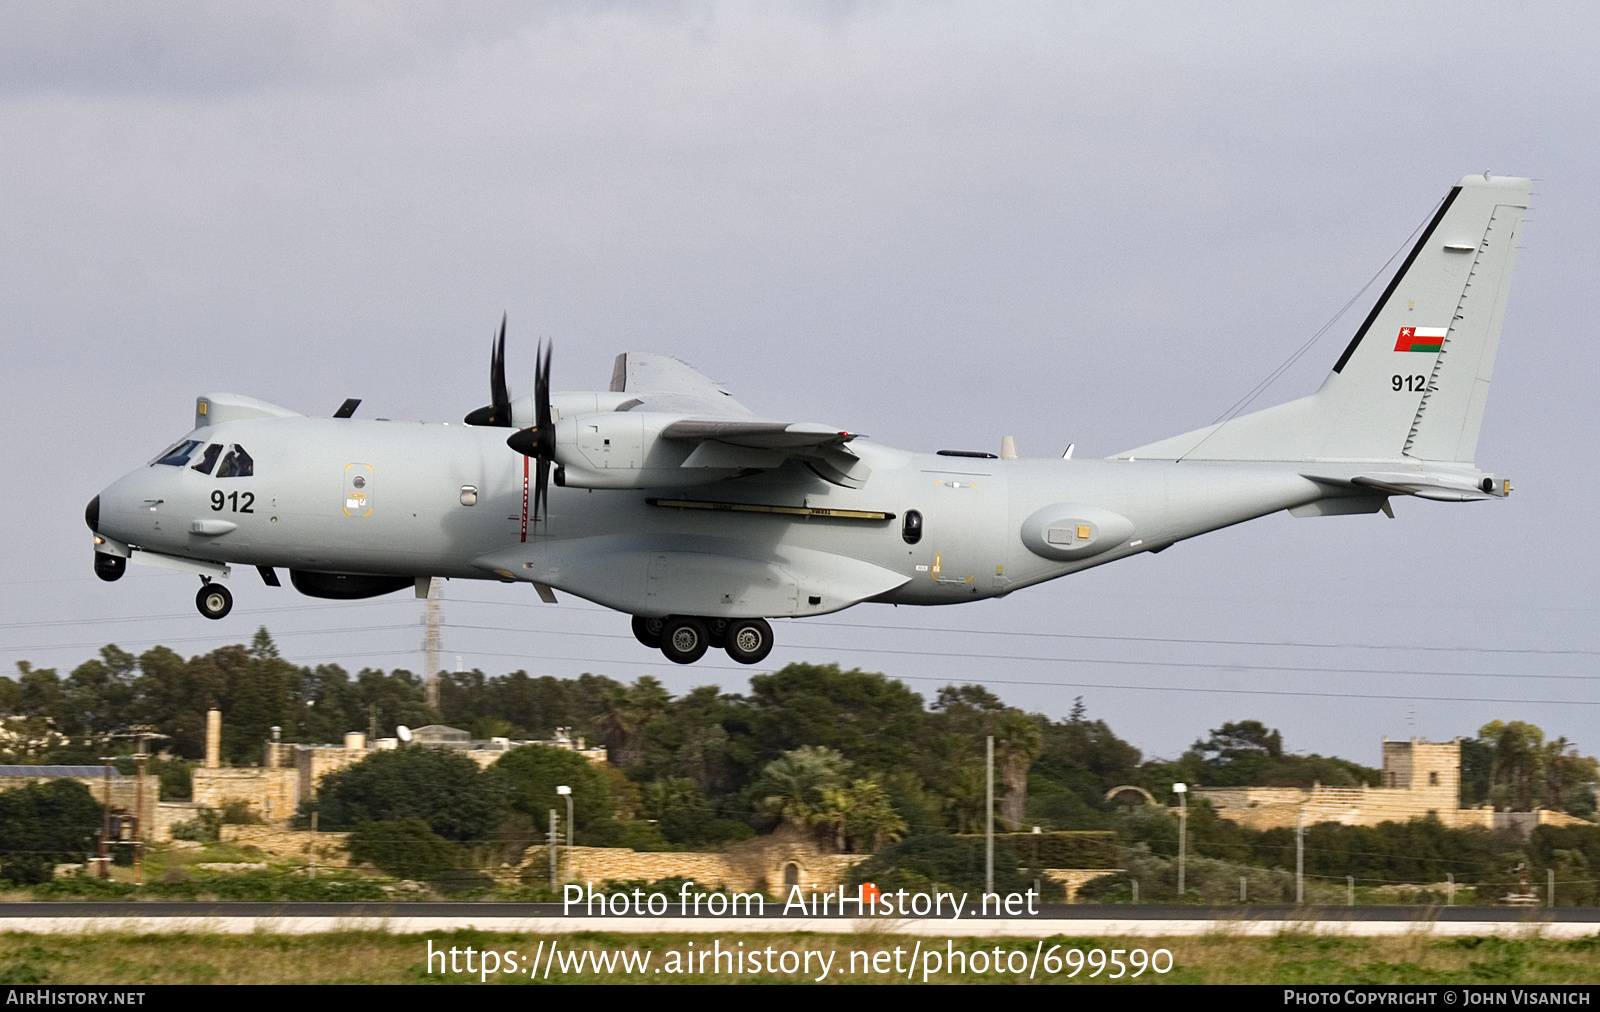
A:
(624, 449)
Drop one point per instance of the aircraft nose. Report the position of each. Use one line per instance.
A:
(91, 514)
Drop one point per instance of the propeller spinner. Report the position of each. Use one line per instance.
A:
(538, 442)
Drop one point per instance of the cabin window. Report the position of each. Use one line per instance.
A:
(237, 464)
(177, 454)
(911, 527)
(208, 460)
(469, 495)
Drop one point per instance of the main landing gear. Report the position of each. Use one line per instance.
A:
(214, 601)
(685, 639)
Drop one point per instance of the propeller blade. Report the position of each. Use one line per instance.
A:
(500, 396)
(541, 489)
(499, 411)
(539, 442)
(541, 393)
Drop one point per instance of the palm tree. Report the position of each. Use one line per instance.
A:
(792, 787)
(872, 816)
(627, 710)
(1020, 744)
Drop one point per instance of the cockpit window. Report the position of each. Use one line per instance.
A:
(237, 464)
(177, 454)
(208, 460)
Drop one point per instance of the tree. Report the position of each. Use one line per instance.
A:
(531, 775)
(1018, 745)
(792, 787)
(860, 816)
(1516, 750)
(627, 711)
(679, 810)
(43, 825)
(1238, 747)
(1523, 769)
(405, 848)
(861, 715)
(444, 789)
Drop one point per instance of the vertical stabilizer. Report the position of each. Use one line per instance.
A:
(1413, 382)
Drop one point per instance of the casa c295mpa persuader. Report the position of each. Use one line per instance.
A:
(677, 505)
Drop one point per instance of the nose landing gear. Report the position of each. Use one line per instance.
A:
(684, 639)
(214, 600)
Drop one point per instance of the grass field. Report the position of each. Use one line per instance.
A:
(377, 958)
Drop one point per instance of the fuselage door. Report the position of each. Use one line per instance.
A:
(967, 546)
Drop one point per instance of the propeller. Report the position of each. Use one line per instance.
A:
(498, 412)
(539, 442)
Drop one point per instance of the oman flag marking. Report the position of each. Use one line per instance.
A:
(1421, 338)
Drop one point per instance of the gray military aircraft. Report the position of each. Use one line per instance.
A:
(676, 504)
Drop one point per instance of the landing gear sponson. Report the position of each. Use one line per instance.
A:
(685, 639)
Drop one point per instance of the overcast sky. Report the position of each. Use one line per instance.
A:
(934, 223)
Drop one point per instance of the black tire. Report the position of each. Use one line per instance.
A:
(749, 640)
(718, 629)
(684, 639)
(648, 631)
(214, 601)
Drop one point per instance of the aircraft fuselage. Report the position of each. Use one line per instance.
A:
(449, 500)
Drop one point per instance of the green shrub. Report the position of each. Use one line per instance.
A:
(43, 825)
(205, 827)
(405, 848)
(446, 790)
(239, 813)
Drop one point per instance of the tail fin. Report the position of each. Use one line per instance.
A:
(1415, 378)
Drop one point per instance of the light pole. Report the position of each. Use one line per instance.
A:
(1300, 857)
(566, 792)
(988, 822)
(1182, 791)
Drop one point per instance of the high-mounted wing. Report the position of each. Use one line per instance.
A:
(725, 431)
(664, 425)
(659, 383)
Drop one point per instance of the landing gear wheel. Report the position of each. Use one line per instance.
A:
(684, 639)
(648, 631)
(718, 628)
(214, 601)
(749, 640)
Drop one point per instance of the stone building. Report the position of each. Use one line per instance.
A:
(768, 864)
(124, 790)
(484, 751)
(291, 772)
(1421, 779)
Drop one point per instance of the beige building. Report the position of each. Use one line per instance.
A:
(1420, 779)
(127, 798)
(291, 772)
